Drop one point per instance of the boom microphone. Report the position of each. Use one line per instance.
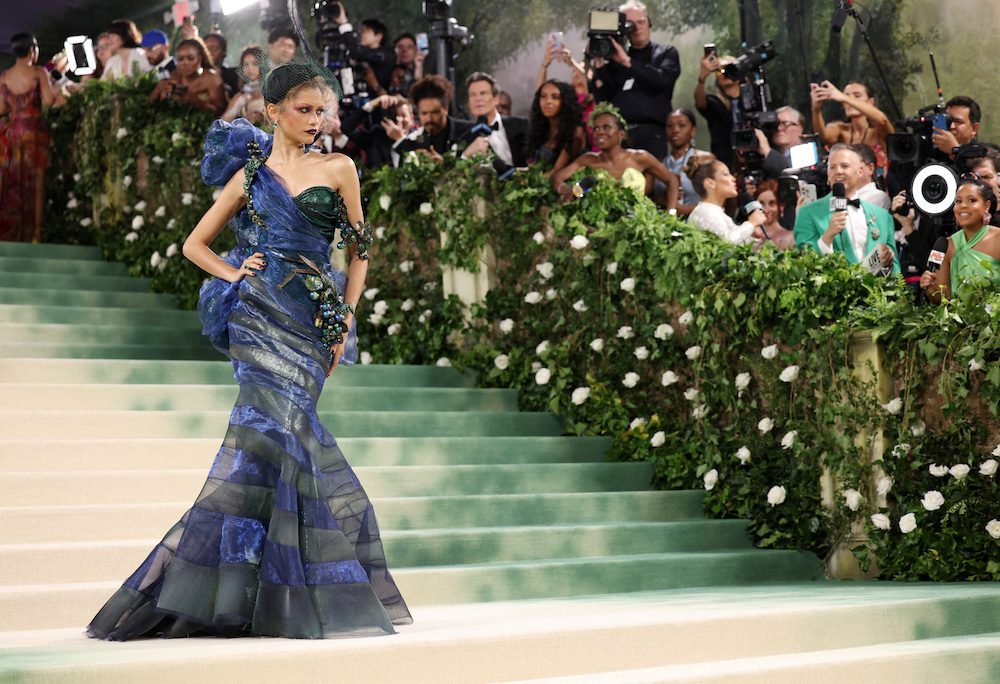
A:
(838, 201)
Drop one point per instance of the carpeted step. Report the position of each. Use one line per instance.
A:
(171, 372)
(75, 298)
(22, 250)
(102, 522)
(46, 455)
(102, 335)
(159, 486)
(134, 397)
(63, 281)
(153, 424)
(151, 319)
(62, 266)
(200, 350)
(98, 561)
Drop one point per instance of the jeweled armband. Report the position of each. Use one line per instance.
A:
(359, 235)
(254, 162)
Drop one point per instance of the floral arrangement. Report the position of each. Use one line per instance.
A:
(730, 371)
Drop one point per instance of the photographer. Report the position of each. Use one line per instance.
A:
(640, 81)
(717, 109)
(366, 47)
(791, 125)
(854, 231)
(965, 115)
(409, 64)
(507, 139)
(281, 45)
(438, 131)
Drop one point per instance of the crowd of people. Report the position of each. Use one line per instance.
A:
(614, 119)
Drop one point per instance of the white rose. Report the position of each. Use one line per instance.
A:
(668, 379)
(140, 206)
(533, 297)
(881, 521)
(631, 379)
(938, 470)
(625, 332)
(72, 204)
(177, 137)
(996, 451)
(580, 395)
(86, 221)
(776, 495)
(545, 269)
(502, 362)
(900, 450)
(579, 306)
(893, 406)
(908, 523)
(769, 352)
(157, 159)
(443, 362)
(790, 374)
(789, 439)
(742, 381)
(612, 268)
(76, 177)
(171, 223)
(743, 454)
(407, 305)
(126, 181)
(628, 285)
(160, 212)
(993, 528)
(155, 260)
(172, 250)
(663, 331)
(385, 202)
(506, 325)
(884, 485)
(138, 222)
(426, 208)
(710, 479)
(535, 366)
(376, 319)
(687, 318)
(551, 293)
(699, 412)
(366, 358)
(932, 500)
(187, 198)
(405, 266)
(918, 428)
(380, 232)
(852, 499)
(959, 471)
(641, 353)
(636, 423)
(975, 365)
(579, 242)
(381, 307)
(394, 328)
(132, 237)
(597, 344)
(658, 439)
(543, 376)
(371, 293)
(690, 394)
(542, 347)
(988, 467)
(692, 352)
(121, 133)
(765, 425)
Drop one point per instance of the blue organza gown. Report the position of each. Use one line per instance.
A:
(282, 540)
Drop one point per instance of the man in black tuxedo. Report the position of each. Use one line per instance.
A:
(509, 132)
(438, 131)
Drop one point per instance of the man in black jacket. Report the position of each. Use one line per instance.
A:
(640, 82)
(439, 131)
(508, 138)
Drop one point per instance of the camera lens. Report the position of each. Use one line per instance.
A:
(935, 189)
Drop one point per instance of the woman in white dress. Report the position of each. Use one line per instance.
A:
(715, 184)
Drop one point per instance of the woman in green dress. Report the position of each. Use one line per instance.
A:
(973, 251)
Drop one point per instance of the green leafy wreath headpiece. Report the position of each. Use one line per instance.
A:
(610, 110)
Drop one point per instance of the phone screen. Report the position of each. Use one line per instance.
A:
(940, 121)
(804, 155)
(422, 43)
(557, 40)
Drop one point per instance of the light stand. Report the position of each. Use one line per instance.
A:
(878, 65)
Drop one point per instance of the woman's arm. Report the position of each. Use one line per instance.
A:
(49, 96)
(654, 167)
(237, 105)
(543, 68)
(345, 181)
(197, 245)
(559, 177)
(937, 285)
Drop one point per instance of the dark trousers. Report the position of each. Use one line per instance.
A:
(649, 137)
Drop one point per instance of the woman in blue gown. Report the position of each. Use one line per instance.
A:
(282, 541)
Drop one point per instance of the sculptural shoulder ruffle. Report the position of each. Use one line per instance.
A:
(227, 149)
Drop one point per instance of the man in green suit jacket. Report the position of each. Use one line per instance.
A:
(854, 232)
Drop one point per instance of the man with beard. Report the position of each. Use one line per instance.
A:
(438, 131)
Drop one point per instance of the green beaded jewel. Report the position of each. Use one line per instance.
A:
(359, 235)
(254, 162)
(332, 310)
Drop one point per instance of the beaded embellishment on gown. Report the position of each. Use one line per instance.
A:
(282, 541)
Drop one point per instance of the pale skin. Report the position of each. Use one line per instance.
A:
(844, 166)
(972, 212)
(299, 118)
(727, 87)
(609, 136)
(482, 102)
(868, 124)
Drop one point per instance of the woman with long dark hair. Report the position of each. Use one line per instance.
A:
(194, 82)
(715, 183)
(555, 133)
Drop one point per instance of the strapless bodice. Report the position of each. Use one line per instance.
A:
(323, 207)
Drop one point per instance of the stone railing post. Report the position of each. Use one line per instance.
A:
(471, 286)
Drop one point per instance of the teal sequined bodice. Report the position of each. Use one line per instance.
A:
(323, 207)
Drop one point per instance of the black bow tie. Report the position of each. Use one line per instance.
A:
(495, 126)
(854, 203)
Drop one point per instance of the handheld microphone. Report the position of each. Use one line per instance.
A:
(752, 206)
(583, 186)
(838, 201)
(936, 257)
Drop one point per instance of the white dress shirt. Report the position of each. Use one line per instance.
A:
(713, 218)
(871, 194)
(856, 232)
(498, 141)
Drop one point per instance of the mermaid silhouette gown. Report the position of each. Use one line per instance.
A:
(282, 541)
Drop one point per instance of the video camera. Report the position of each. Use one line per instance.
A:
(750, 61)
(604, 26)
(341, 53)
(916, 145)
(753, 109)
(807, 174)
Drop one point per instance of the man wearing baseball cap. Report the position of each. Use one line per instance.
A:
(158, 53)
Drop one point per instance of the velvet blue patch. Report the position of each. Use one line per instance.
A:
(337, 572)
(242, 540)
